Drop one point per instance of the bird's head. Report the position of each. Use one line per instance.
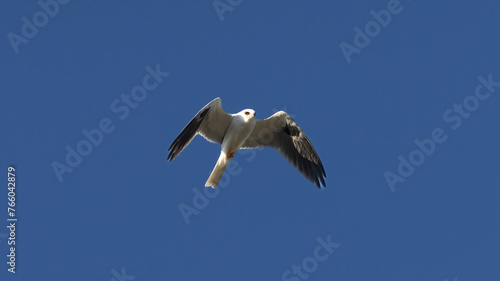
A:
(247, 114)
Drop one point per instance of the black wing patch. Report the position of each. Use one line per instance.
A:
(299, 151)
(187, 134)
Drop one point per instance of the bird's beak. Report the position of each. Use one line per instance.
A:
(254, 114)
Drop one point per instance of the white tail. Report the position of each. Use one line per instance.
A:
(218, 170)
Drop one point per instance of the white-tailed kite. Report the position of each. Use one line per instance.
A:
(241, 130)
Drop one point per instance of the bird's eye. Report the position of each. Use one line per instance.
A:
(247, 113)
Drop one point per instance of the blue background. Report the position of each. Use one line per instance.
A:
(120, 207)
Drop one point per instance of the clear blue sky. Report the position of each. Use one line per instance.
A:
(414, 86)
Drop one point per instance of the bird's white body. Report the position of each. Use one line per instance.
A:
(239, 130)
(237, 133)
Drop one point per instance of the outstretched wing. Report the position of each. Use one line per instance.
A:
(282, 133)
(211, 122)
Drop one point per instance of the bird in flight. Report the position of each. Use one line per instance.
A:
(242, 130)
